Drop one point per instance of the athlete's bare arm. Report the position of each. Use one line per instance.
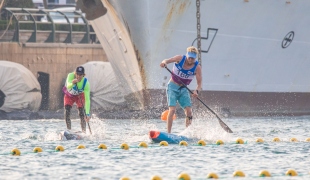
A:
(176, 58)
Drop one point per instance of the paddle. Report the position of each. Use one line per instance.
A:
(85, 114)
(224, 126)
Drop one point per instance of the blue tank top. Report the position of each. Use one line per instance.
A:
(184, 75)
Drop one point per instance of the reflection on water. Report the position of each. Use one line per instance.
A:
(167, 162)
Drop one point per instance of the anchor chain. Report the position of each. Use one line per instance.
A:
(198, 30)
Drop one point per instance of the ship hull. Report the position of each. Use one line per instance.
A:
(255, 54)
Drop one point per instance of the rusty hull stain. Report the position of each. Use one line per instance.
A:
(141, 67)
(175, 9)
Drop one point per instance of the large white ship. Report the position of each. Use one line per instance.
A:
(255, 53)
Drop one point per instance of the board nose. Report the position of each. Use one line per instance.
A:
(154, 134)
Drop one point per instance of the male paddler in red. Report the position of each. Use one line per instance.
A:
(77, 90)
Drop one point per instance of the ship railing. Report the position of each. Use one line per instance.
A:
(45, 25)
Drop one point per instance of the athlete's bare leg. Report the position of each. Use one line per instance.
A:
(189, 117)
(170, 118)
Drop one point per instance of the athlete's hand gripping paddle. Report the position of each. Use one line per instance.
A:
(224, 126)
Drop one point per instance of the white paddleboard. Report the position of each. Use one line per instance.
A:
(68, 135)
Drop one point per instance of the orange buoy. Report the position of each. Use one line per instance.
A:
(164, 115)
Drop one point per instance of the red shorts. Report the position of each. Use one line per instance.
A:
(74, 99)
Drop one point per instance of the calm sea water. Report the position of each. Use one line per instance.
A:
(166, 162)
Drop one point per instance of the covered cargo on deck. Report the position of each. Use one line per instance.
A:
(106, 92)
(19, 88)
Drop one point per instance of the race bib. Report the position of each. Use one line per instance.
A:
(70, 92)
(73, 91)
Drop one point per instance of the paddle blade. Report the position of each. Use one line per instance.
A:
(225, 127)
(164, 115)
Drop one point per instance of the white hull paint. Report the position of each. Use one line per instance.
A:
(253, 48)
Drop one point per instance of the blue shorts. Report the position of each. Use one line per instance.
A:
(176, 93)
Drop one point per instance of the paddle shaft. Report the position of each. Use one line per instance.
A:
(224, 126)
(85, 114)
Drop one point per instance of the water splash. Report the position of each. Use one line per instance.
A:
(206, 129)
(52, 136)
(98, 128)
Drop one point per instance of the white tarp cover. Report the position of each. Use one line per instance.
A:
(20, 87)
(104, 87)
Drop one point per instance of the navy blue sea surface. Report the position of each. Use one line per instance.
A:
(165, 161)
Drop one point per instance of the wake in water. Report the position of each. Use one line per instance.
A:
(97, 127)
(140, 130)
(128, 131)
(207, 129)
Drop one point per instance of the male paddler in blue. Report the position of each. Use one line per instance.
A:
(185, 68)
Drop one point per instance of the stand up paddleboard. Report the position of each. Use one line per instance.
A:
(158, 136)
(67, 135)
